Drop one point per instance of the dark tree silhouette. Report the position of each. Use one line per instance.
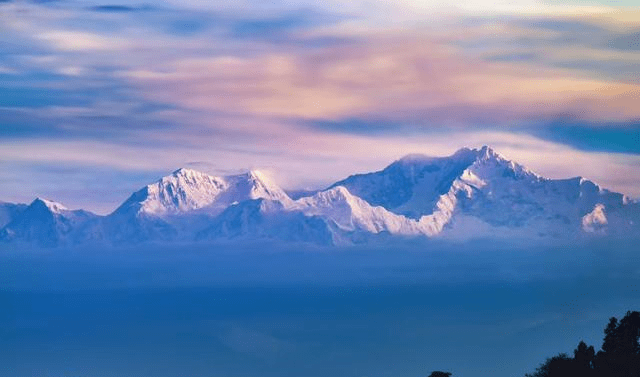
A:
(583, 359)
(619, 356)
(439, 374)
(605, 359)
(557, 366)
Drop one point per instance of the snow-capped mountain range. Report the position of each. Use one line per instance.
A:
(474, 193)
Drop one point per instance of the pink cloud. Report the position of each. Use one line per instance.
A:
(386, 76)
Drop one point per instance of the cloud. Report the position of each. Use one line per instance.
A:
(300, 87)
(626, 42)
(384, 75)
(296, 160)
(81, 41)
(620, 137)
(4, 70)
(120, 8)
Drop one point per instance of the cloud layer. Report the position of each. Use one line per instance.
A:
(129, 91)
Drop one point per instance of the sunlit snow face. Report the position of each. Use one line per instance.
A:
(99, 95)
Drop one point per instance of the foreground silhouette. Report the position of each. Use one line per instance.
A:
(619, 356)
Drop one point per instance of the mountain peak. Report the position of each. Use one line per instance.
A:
(483, 153)
(487, 152)
(256, 175)
(478, 154)
(465, 154)
(252, 175)
(473, 192)
(255, 184)
(414, 158)
(487, 160)
(185, 171)
(187, 175)
(187, 190)
(183, 190)
(52, 206)
(337, 192)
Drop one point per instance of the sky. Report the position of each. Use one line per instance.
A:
(99, 98)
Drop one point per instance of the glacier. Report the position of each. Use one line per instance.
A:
(474, 193)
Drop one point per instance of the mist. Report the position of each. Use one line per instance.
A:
(270, 310)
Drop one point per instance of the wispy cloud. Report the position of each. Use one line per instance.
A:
(307, 86)
(394, 76)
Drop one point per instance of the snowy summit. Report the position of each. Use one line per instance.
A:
(472, 193)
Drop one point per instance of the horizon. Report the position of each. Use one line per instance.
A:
(288, 191)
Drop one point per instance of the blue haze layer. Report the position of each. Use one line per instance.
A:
(473, 310)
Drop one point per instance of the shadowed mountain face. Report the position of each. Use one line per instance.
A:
(8, 211)
(474, 193)
(479, 193)
(47, 223)
(412, 185)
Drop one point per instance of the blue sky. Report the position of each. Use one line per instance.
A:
(99, 98)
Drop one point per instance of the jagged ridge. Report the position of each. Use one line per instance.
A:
(473, 193)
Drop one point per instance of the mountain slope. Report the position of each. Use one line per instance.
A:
(47, 223)
(187, 190)
(178, 205)
(353, 214)
(412, 185)
(331, 216)
(184, 190)
(8, 211)
(495, 193)
(267, 219)
(474, 193)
